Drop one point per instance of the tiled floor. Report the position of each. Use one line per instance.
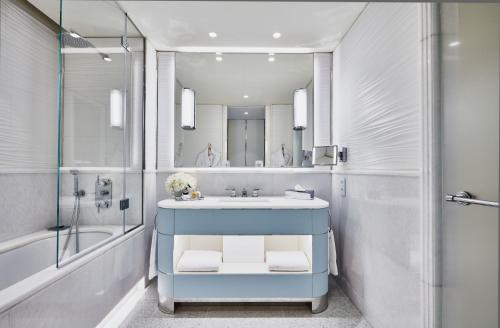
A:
(341, 313)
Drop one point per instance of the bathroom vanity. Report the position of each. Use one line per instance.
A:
(280, 223)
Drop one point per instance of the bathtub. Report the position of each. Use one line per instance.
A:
(28, 263)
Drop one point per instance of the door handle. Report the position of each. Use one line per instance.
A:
(465, 198)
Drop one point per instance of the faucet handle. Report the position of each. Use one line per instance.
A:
(233, 191)
(255, 192)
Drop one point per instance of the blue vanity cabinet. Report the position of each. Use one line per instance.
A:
(283, 286)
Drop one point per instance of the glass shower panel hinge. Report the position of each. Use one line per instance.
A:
(124, 204)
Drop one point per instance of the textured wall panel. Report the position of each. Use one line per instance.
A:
(28, 91)
(376, 89)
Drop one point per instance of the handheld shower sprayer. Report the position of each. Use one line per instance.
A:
(76, 191)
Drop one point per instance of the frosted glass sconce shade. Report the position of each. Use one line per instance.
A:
(300, 109)
(188, 115)
(116, 109)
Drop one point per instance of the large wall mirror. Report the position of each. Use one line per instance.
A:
(250, 110)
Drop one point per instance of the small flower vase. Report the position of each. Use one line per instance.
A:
(178, 195)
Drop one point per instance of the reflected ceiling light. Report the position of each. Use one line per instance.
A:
(271, 54)
(454, 44)
(218, 53)
(74, 34)
(246, 113)
(300, 109)
(245, 96)
(106, 58)
(212, 35)
(218, 58)
(271, 59)
(276, 35)
(188, 109)
(116, 109)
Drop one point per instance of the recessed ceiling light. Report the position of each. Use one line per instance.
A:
(276, 35)
(246, 113)
(218, 58)
(454, 43)
(106, 58)
(218, 53)
(245, 96)
(271, 59)
(212, 34)
(271, 54)
(74, 34)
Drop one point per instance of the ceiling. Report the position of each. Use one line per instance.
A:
(228, 81)
(240, 26)
(246, 113)
(88, 18)
(184, 25)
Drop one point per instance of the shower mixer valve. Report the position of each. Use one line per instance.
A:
(103, 193)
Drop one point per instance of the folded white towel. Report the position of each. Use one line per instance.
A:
(287, 261)
(200, 261)
(332, 255)
(153, 269)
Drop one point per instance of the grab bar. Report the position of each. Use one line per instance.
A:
(465, 198)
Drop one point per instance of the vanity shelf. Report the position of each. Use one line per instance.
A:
(285, 224)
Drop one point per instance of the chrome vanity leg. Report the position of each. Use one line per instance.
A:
(166, 305)
(319, 304)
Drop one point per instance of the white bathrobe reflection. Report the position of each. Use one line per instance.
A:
(282, 157)
(208, 157)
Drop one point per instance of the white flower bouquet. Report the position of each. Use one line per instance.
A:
(180, 182)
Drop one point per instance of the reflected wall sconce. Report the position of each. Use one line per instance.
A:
(116, 109)
(300, 109)
(188, 109)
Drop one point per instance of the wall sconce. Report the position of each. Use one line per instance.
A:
(116, 109)
(329, 155)
(300, 109)
(188, 108)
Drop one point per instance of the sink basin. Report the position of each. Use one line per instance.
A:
(243, 200)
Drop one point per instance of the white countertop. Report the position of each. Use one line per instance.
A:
(264, 202)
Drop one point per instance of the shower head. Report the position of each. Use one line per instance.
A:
(74, 172)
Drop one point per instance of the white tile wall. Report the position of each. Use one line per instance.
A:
(377, 115)
(377, 230)
(27, 202)
(88, 210)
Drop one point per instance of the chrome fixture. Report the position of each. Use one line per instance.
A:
(465, 198)
(75, 217)
(233, 191)
(244, 193)
(103, 193)
(255, 192)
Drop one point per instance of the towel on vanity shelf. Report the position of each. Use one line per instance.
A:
(153, 268)
(332, 255)
(200, 261)
(287, 261)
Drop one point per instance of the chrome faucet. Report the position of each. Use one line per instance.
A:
(244, 193)
(233, 191)
(255, 192)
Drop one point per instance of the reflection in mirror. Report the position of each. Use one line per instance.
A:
(325, 155)
(244, 110)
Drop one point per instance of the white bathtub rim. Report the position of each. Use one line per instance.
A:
(46, 234)
(17, 293)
